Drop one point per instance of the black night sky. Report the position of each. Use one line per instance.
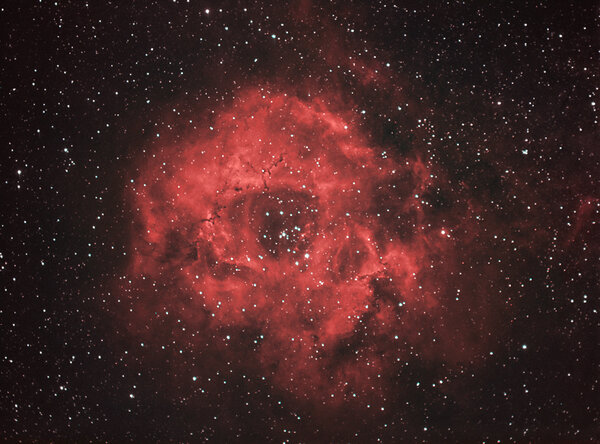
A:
(299, 221)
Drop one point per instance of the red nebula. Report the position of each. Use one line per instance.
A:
(283, 219)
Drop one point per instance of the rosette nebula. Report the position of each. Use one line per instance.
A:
(284, 222)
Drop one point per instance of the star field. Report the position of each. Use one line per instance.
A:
(299, 222)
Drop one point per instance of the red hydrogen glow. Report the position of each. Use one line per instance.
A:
(283, 219)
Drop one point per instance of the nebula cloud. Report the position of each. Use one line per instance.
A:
(283, 219)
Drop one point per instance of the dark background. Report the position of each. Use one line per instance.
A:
(84, 87)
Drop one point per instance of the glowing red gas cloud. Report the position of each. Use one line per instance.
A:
(284, 219)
